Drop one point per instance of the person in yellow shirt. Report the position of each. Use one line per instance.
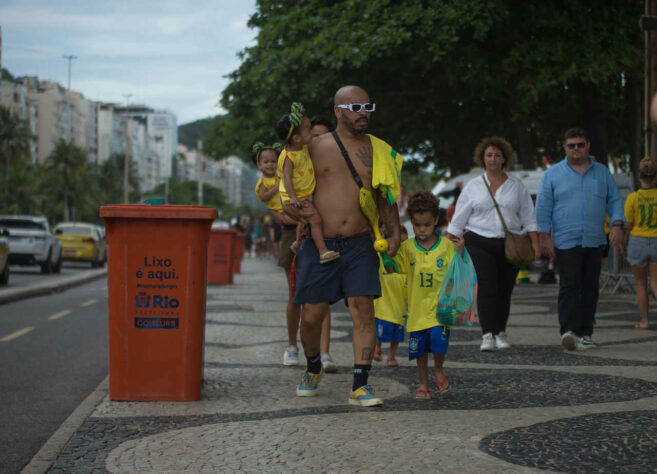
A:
(298, 175)
(266, 159)
(425, 259)
(641, 217)
(390, 310)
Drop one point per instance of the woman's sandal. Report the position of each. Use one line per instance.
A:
(392, 362)
(422, 394)
(642, 326)
(443, 384)
(329, 256)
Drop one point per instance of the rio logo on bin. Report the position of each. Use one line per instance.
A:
(144, 300)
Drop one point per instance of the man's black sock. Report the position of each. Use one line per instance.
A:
(361, 371)
(314, 364)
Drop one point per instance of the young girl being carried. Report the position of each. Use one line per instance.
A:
(298, 175)
(266, 159)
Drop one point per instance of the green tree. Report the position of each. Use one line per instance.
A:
(444, 73)
(15, 136)
(65, 179)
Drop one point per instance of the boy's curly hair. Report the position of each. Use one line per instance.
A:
(423, 201)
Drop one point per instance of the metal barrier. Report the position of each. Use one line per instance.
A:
(616, 274)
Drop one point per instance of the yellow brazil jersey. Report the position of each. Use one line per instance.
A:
(641, 210)
(391, 306)
(425, 270)
(303, 177)
(275, 202)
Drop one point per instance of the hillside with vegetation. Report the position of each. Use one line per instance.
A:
(190, 133)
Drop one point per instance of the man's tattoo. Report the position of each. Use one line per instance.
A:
(364, 154)
(366, 354)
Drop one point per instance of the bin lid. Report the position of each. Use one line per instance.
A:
(219, 230)
(148, 211)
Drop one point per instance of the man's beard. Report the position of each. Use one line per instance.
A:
(352, 126)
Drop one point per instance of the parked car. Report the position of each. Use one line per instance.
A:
(4, 256)
(32, 242)
(82, 242)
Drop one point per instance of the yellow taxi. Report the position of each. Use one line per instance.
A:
(82, 242)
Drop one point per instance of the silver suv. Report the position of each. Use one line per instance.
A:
(32, 242)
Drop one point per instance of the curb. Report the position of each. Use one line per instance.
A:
(52, 448)
(7, 296)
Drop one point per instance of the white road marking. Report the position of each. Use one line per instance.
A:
(14, 335)
(60, 314)
(88, 303)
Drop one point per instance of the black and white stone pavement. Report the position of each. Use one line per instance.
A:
(531, 408)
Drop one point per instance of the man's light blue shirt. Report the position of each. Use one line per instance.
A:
(573, 206)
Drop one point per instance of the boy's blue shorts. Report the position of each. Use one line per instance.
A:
(355, 273)
(388, 332)
(435, 339)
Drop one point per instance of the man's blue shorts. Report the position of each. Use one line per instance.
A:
(388, 332)
(435, 339)
(355, 273)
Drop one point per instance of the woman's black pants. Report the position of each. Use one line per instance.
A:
(496, 278)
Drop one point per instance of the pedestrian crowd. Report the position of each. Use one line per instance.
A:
(329, 189)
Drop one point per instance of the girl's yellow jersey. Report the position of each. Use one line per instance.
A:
(303, 177)
(275, 202)
(391, 306)
(425, 270)
(641, 210)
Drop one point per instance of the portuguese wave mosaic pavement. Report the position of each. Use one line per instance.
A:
(531, 408)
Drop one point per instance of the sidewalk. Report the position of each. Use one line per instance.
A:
(533, 407)
(55, 283)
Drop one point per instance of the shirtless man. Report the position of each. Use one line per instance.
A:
(355, 275)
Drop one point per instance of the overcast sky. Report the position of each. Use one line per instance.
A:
(168, 54)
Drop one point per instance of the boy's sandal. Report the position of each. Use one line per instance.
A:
(422, 394)
(377, 355)
(392, 362)
(641, 326)
(443, 384)
(329, 256)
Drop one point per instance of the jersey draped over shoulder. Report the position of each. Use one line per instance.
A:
(274, 203)
(386, 169)
(303, 177)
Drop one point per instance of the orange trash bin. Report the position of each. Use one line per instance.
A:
(239, 251)
(221, 256)
(156, 291)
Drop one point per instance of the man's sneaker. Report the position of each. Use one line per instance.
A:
(487, 342)
(569, 341)
(328, 364)
(501, 341)
(585, 343)
(309, 384)
(291, 356)
(364, 397)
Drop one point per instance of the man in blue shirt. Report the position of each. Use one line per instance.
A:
(572, 200)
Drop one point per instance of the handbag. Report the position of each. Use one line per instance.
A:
(517, 247)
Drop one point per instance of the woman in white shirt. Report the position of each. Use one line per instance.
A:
(477, 220)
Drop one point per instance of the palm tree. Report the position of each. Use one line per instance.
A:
(65, 172)
(15, 139)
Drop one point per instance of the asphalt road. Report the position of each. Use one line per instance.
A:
(53, 354)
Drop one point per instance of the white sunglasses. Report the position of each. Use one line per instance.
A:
(356, 107)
